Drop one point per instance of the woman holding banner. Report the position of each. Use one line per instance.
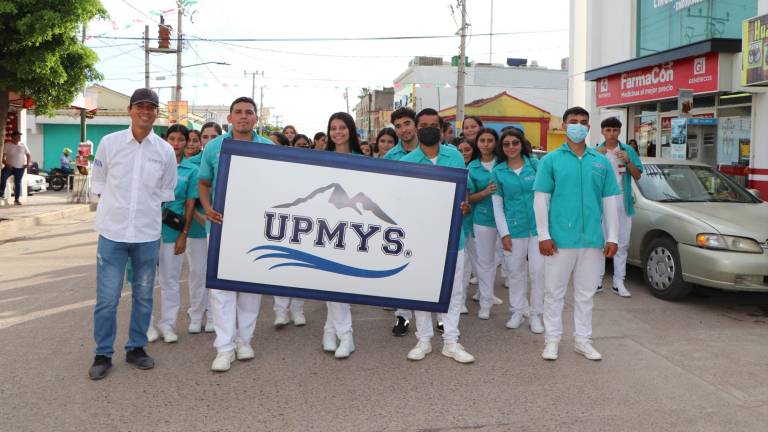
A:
(342, 138)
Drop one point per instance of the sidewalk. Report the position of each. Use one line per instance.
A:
(39, 208)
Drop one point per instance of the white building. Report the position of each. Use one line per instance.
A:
(429, 82)
(631, 58)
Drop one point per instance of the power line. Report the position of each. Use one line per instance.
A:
(338, 39)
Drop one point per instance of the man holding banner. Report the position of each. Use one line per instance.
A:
(430, 151)
(234, 313)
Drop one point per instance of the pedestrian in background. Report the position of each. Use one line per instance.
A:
(385, 140)
(134, 172)
(320, 141)
(279, 139)
(302, 141)
(16, 159)
(208, 132)
(290, 133)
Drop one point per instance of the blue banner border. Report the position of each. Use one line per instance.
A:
(231, 147)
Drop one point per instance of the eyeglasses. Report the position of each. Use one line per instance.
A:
(511, 143)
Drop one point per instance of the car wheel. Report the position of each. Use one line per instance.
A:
(57, 183)
(663, 271)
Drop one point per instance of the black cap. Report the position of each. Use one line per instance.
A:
(144, 95)
(15, 133)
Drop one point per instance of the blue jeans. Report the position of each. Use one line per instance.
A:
(17, 174)
(111, 260)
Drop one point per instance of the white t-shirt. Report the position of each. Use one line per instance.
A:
(434, 160)
(619, 167)
(133, 179)
(487, 165)
(518, 170)
(15, 154)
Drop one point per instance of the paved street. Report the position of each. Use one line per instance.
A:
(699, 364)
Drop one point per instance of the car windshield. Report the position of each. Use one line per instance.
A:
(690, 183)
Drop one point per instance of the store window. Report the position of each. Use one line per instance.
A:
(646, 127)
(666, 24)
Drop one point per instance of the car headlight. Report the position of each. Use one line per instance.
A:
(731, 243)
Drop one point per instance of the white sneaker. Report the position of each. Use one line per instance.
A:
(457, 352)
(244, 351)
(586, 349)
(209, 328)
(515, 321)
(476, 297)
(484, 314)
(169, 336)
(195, 327)
(497, 301)
(536, 325)
(506, 283)
(281, 318)
(420, 351)
(152, 334)
(346, 346)
(329, 341)
(464, 309)
(620, 290)
(298, 318)
(223, 361)
(473, 280)
(550, 351)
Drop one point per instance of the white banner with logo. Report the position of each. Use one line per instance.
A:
(321, 225)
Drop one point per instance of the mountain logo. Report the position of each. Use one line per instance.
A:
(291, 226)
(340, 199)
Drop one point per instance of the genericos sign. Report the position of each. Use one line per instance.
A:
(699, 74)
(343, 228)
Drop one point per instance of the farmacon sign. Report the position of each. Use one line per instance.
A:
(663, 81)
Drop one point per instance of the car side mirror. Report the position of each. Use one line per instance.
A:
(756, 193)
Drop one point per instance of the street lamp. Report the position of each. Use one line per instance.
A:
(178, 74)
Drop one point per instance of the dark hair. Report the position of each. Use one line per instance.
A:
(289, 127)
(178, 127)
(610, 122)
(574, 111)
(319, 135)
(354, 144)
(281, 139)
(196, 132)
(506, 128)
(428, 112)
(386, 131)
(402, 112)
(242, 99)
(475, 118)
(632, 141)
(304, 137)
(213, 125)
(444, 125)
(476, 149)
(525, 145)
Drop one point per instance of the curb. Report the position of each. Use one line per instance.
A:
(10, 229)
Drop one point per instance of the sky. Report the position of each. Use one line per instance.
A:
(304, 81)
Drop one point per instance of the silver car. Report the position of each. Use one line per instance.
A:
(694, 225)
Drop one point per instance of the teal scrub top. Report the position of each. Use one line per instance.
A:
(447, 157)
(577, 188)
(517, 192)
(629, 204)
(397, 152)
(479, 177)
(186, 189)
(197, 230)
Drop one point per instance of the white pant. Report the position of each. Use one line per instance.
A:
(500, 259)
(470, 264)
(620, 259)
(169, 274)
(197, 259)
(234, 317)
(405, 313)
(283, 304)
(584, 265)
(338, 318)
(424, 330)
(486, 252)
(521, 272)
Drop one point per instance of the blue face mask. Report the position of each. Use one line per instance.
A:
(577, 132)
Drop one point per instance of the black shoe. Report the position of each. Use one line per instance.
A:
(17, 202)
(599, 289)
(140, 358)
(100, 367)
(401, 327)
(440, 327)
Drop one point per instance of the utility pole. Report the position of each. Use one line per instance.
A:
(83, 110)
(346, 97)
(490, 48)
(179, 13)
(370, 106)
(146, 56)
(462, 60)
(261, 110)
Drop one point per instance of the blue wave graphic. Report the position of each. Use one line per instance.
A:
(307, 260)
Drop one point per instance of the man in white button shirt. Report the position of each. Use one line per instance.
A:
(16, 158)
(134, 172)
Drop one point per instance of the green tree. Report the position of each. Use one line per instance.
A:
(42, 54)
